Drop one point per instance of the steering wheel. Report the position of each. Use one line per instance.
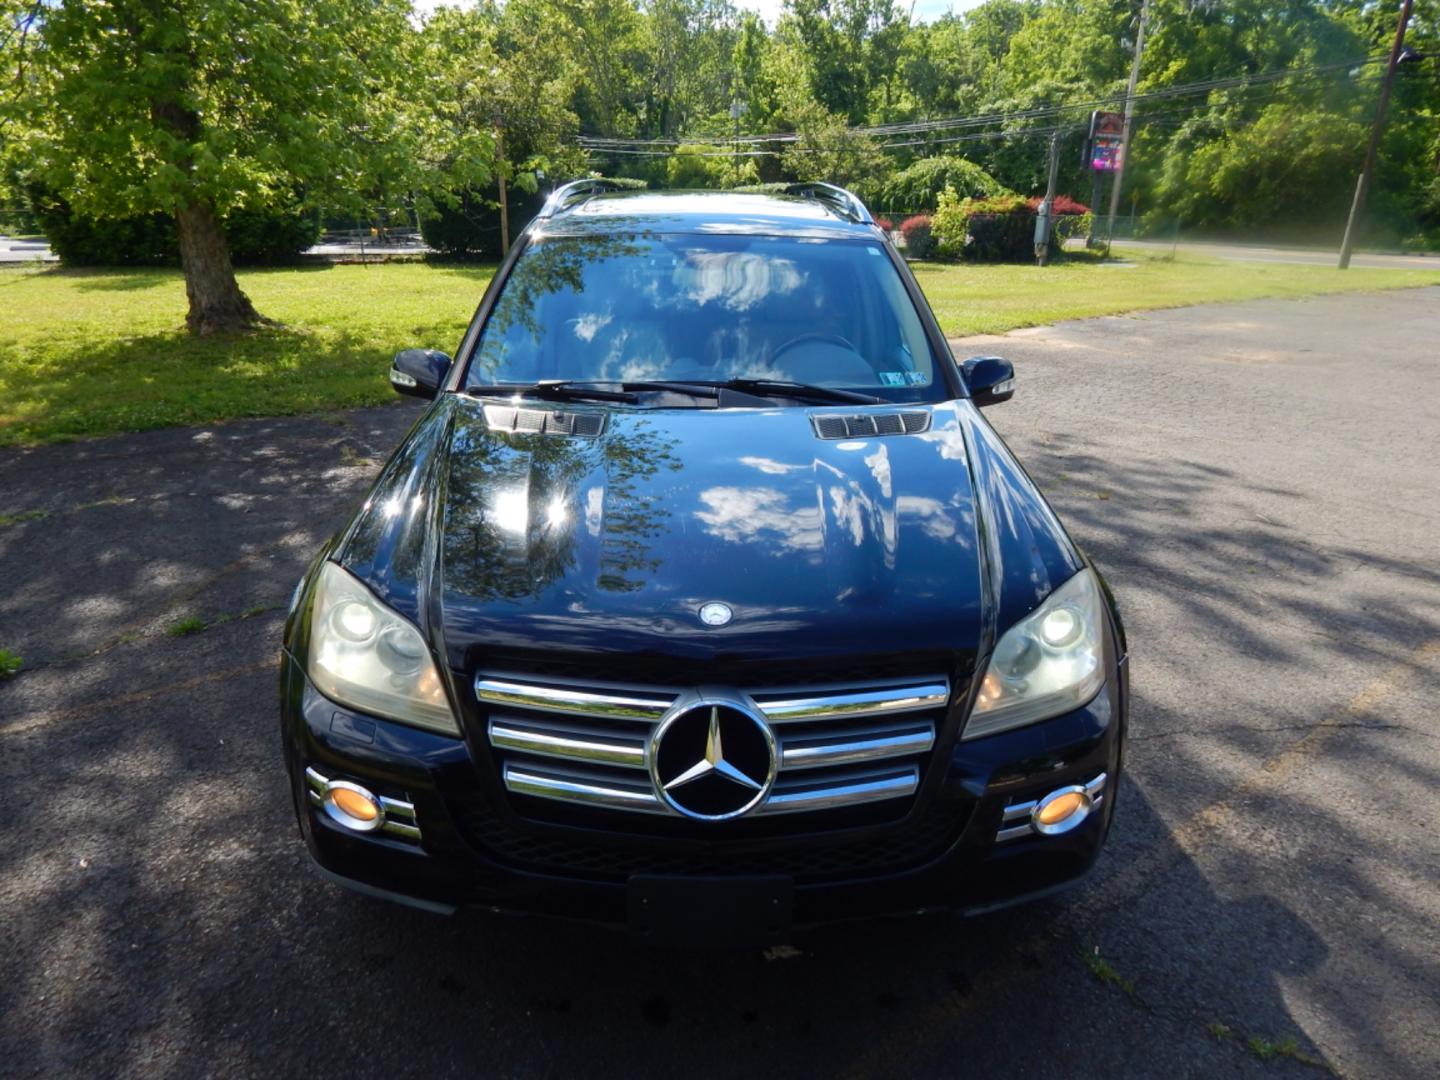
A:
(814, 338)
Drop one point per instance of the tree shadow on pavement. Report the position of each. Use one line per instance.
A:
(160, 914)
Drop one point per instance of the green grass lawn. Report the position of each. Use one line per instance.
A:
(974, 299)
(97, 352)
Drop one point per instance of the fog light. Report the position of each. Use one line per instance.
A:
(1061, 811)
(353, 806)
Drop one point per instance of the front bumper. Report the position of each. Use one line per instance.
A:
(451, 865)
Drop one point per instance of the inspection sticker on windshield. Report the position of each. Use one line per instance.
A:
(904, 378)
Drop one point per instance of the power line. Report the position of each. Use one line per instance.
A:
(602, 143)
(707, 149)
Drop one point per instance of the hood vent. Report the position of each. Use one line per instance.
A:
(866, 425)
(544, 421)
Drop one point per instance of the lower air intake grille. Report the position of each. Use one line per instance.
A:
(601, 858)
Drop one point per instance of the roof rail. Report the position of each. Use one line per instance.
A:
(575, 190)
(837, 198)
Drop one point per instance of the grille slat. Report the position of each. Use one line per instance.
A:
(797, 798)
(588, 744)
(573, 700)
(556, 741)
(788, 797)
(781, 708)
(579, 788)
(846, 746)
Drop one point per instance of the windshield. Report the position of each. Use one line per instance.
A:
(620, 309)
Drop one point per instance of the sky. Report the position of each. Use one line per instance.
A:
(769, 10)
(924, 11)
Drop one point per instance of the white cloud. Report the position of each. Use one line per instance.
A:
(758, 515)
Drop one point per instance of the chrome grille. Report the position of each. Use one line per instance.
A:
(588, 744)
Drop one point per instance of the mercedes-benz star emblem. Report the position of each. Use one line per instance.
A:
(713, 760)
(715, 613)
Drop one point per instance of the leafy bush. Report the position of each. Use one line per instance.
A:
(270, 237)
(1070, 227)
(919, 185)
(885, 223)
(1072, 218)
(1000, 229)
(700, 166)
(466, 224)
(256, 237)
(148, 240)
(628, 183)
(919, 236)
(1063, 204)
(1422, 241)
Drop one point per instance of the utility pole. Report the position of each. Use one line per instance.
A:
(1129, 115)
(735, 116)
(1096, 194)
(1362, 185)
(504, 200)
(1044, 220)
(738, 109)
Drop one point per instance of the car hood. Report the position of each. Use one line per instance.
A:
(606, 545)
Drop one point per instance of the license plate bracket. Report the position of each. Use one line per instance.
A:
(711, 912)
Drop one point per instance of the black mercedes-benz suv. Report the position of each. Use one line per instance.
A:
(703, 599)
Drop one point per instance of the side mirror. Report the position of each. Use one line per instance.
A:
(990, 379)
(419, 372)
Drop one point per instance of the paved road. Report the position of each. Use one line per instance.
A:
(1296, 256)
(1259, 482)
(14, 250)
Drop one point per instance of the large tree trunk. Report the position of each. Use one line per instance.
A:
(216, 302)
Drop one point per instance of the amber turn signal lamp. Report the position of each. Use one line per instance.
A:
(353, 806)
(1061, 811)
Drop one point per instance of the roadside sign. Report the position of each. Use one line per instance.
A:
(1107, 132)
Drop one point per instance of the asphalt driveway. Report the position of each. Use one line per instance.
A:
(1261, 484)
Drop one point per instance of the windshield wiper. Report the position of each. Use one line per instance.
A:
(572, 390)
(558, 389)
(802, 390)
(762, 387)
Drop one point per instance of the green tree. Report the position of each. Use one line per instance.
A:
(919, 185)
(826, 149)
(688, 74)
(753, 86)
(197, 107)
(493, 111)
(1278, 172)
(852, 48)
(606, 42)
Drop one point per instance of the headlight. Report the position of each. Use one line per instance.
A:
(366, 656)
(1050, 662)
